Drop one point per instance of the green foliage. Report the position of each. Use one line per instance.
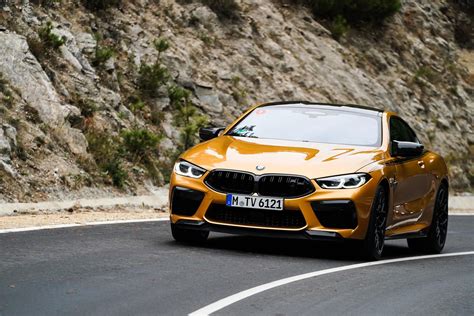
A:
(225, 9)
(152, 77)
(427, 73)
(107, 153)
(102, 54)
(186, 116)
(139, 142)
(355, 10)
(338, 27)
(87, 107)
(161, 45)
(117, 173)
(136, 105)
(50, 39)
(178, 96)
(4, 89)
(97, 5)
(45, 3)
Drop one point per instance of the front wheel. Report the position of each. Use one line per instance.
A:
(374, 241)
(188, 235)
(434, 242)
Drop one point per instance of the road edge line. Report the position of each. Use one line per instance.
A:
(127, 221)
(229, 300)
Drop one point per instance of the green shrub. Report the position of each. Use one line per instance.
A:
(427, 73)
(224, 9)
(161, 45)
(117, 173)
(45, 3)
(139, 142)
(152, 77)
(5, 90)
(97, 5)
(136, 105)
(102, 54)
(50, 39)
(178, 95)
(87, 107)
(338, 27)
(107, 154)
(354, 10)
(186, 116)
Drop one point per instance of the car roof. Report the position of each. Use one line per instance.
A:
(343, 107)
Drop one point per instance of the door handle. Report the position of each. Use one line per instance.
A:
(421, 163)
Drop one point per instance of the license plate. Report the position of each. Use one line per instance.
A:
(261, 202)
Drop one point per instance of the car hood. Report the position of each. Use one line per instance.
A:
(312, 160)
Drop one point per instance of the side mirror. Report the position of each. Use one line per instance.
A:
(207, 133)
(406, 149)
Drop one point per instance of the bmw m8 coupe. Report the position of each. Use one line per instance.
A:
(313, 170)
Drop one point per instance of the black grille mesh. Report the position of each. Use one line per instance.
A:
(255, 217)
(284, 186)
(231, 181)
(266, 185)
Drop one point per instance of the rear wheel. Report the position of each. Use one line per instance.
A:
(375, 238)
(188, 235)
(434, 242)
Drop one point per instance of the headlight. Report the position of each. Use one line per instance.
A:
(347, 181)
(184, 168)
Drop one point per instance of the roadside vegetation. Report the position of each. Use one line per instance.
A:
(340, 15)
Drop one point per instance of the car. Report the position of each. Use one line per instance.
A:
(316, 171)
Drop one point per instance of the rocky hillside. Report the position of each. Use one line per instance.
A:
(99, 97)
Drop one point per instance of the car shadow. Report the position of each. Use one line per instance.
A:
(342, 250)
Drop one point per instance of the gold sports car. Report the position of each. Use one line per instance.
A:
(313, 170)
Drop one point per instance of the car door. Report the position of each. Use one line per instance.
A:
(412, 183)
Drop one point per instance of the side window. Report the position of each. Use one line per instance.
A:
(399, 130)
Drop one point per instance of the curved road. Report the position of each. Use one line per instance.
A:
(131, 269)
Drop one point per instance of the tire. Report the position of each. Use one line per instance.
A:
(188, 235)
(374, 241)
(437, 233)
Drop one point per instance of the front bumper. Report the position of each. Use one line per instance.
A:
(258, 232)
(360, 198)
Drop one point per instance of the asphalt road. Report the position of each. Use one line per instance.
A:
(135, 269)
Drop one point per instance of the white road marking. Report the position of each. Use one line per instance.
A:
(229, 300)
(27, 229)
(461, 214)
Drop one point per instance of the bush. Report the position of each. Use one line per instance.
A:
(50, 39)
(338, 27)
(116, 172)
(427, 73)
(106, 152)
(45, 3)
(161, 45)
(354, 10)
(102, 54)
(139, 142)
(152, 77)
(4, 89)
(186, 116)
(97, 5)
(87, 107)
(225, 9)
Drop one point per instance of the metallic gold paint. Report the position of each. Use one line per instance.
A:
(412, 183)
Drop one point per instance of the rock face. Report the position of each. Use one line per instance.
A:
(411, 64)
(26, 75)
(8, 143)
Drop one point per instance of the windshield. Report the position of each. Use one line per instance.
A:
(311, 124)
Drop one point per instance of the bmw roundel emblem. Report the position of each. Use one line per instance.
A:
(260, 168)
